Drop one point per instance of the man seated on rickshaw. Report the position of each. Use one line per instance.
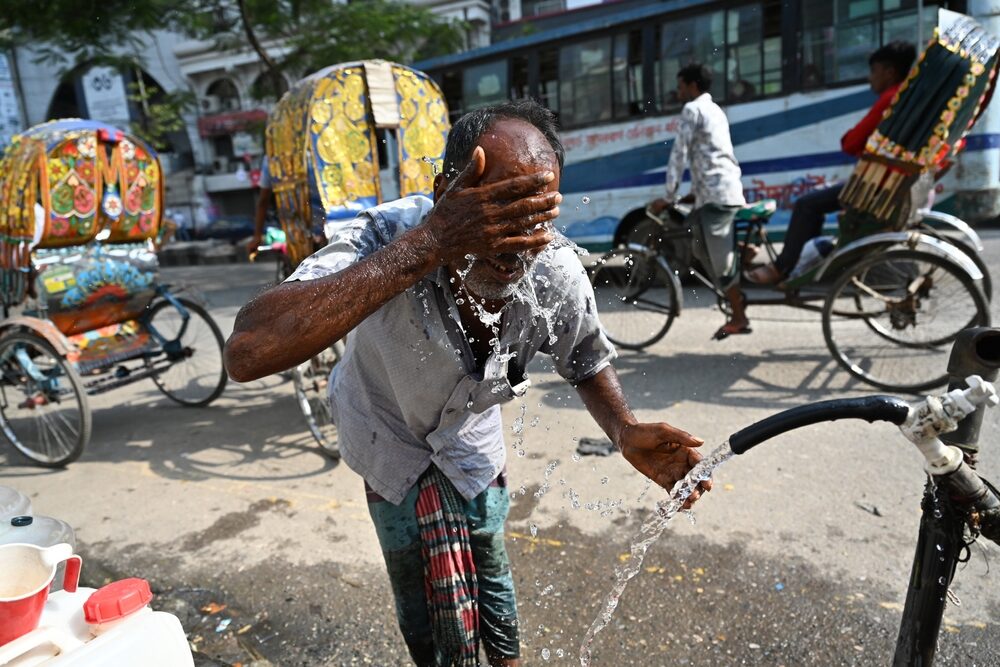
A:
(704, 144)
(888, 68)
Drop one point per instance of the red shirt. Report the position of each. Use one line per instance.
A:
(853, 143)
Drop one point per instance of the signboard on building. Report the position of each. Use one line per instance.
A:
(10, 107)
(104, 93)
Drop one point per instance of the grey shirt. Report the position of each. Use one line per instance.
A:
(407, 392)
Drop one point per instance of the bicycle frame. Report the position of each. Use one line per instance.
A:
(942, 538)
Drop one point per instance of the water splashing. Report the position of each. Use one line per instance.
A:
(651, 530)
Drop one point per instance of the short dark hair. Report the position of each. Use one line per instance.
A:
(899, 55)
(698, 74)
(467, 130)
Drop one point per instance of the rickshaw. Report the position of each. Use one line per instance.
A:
(901, 282)
(340, 141)
(84, 312)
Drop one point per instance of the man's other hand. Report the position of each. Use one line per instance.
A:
(253, 244)
(658, 206)
(664, 454)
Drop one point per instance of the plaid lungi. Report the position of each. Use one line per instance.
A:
(449, 570)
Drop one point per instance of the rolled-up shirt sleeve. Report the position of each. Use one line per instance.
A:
(580, 350)
(350, 241)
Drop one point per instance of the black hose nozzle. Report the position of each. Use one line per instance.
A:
(869, 408)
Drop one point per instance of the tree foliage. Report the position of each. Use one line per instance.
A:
(293, 37)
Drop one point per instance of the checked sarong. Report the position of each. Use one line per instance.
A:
(449, 570)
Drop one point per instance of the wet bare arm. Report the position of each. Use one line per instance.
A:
(658, 450)
(295, 321)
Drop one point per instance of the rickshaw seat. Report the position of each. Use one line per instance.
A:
(758, 211)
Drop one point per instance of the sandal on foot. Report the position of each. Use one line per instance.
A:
(727, 330)
(767, 274)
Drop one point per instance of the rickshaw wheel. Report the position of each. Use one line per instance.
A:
(44, 410)
(636, 301)
(890, 319)
(198, 375)
(311, 382)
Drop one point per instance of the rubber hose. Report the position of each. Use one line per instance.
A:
(869, 408)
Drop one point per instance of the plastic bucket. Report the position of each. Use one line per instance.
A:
(26, 571)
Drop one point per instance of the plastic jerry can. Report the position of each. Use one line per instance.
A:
(110, 627)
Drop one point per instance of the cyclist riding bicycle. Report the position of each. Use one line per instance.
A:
(888, 67)
(704, 144)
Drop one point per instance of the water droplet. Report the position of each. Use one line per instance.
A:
(586, 200)
(560, 653)
(604, 480)
(576, 457)
(533, 529)
(545, 654)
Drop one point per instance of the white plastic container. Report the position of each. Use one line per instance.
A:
(123, 631)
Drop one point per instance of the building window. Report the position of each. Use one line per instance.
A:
(268, 86)
(221, 96)
(584, 82)
(484, 84)
(451, 87)
(531, 8)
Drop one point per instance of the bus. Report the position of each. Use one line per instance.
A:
(791, 75)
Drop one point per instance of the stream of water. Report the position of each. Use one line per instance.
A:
(651, 530)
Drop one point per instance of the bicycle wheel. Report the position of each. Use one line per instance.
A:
(311, 381)
(889, 320)
(190, 370)
(43, 406)
(636, 299)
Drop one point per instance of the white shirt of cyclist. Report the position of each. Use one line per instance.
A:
(703, 144)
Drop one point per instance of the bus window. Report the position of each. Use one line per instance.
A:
(484, 84)
(772, 74)
(584, 84)
(906, 25)
(627, 73)
(697, 39)
(519, 87)
(743, 53)
(548, 79)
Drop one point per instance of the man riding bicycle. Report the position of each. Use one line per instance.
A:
(703, 143)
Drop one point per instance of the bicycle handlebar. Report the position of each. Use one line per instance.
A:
(869, 408)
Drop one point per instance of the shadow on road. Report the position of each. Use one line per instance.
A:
(254, 432)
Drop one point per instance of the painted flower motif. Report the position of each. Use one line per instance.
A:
(70, 148)
(127, 149)
(150, 170)
(62, 199)
(59, 226)
(947, 116)
(87, 146)
(132, 170)
(83, 199)
(145, 223)
(112, 205)
(133, 200)
(148, 198)
(57, 170)
(85, 168)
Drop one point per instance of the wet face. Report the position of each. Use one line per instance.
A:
(513, 148)
(881, 77)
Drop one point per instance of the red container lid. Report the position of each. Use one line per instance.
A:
(117, 600)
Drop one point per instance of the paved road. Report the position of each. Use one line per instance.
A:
(799, 557)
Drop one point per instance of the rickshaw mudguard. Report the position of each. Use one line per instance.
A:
(43, 328)
(909, 240)
(939, 220)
